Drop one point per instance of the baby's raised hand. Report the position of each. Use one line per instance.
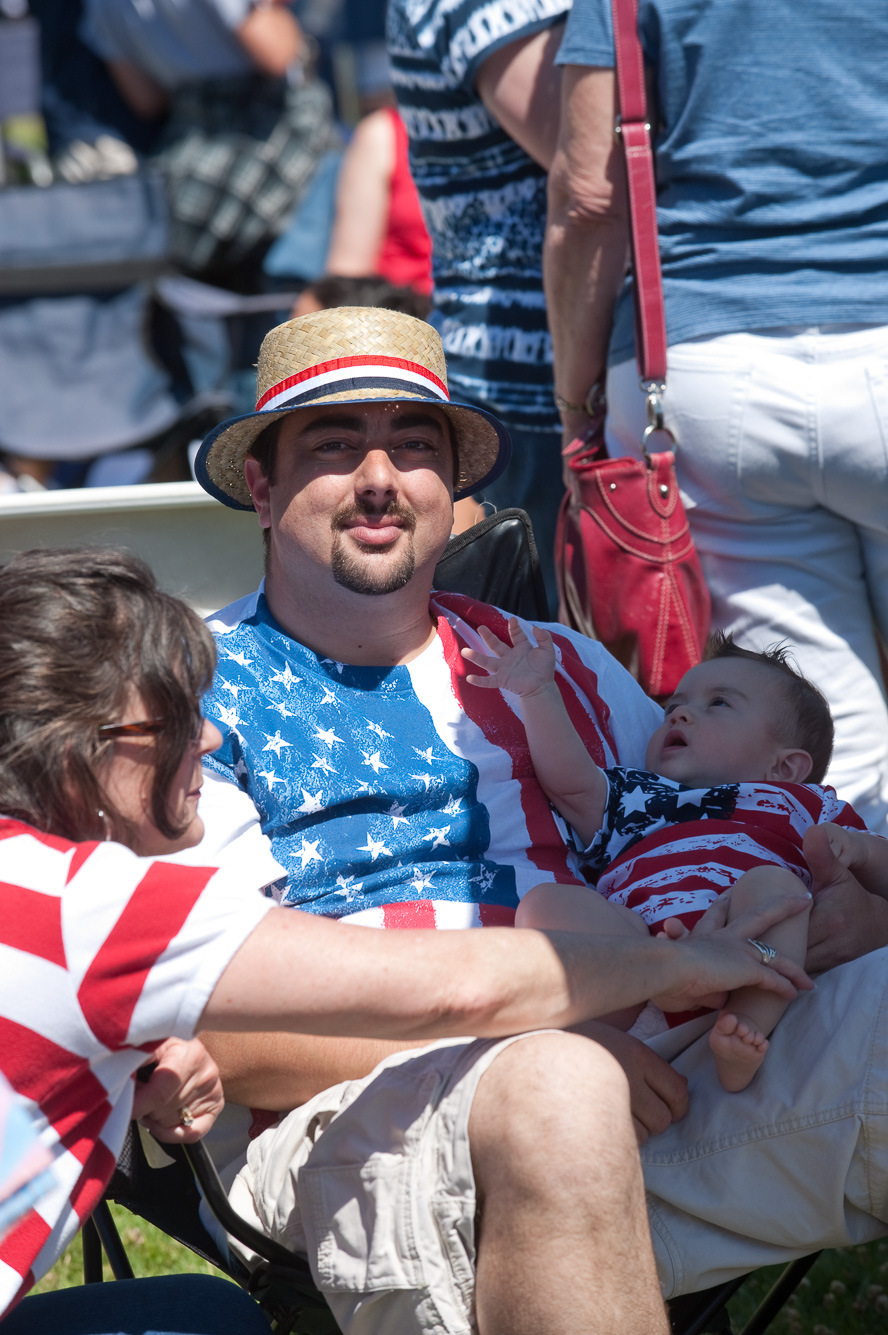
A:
(521, 667)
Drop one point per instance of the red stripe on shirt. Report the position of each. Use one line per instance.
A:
(12, 828)
(68, 1093)
(502, 727)
(32, 922)
(90, 1185)
(410, 913)
(22, 1245)
(155, 914)
(496, 915)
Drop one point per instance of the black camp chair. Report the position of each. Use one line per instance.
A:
(496, 562)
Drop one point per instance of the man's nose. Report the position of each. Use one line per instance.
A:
(376, 474)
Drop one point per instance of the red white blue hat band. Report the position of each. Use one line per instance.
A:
(351, 354)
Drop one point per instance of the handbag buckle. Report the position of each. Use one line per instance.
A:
(654, 391)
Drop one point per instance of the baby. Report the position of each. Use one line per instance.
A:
(732, 788)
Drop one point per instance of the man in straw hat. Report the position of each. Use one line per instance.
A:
(397, 794)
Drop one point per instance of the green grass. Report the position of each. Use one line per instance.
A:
(150, 1252)
(846, 1293)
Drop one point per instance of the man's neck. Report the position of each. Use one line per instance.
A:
(347, 627)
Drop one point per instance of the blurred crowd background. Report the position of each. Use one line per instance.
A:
(177, 177)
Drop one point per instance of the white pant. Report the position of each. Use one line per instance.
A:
(782, 458)
(795, 1162)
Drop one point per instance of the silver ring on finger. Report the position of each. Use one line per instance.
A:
(768, 953)
(186, 1117)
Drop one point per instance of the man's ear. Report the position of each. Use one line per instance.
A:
(790, 766)
(259, 489)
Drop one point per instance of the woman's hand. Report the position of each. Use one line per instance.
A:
(185, 1079)
(521, 667)
(723, 959)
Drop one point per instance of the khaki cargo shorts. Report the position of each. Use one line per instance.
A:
(372, 1181)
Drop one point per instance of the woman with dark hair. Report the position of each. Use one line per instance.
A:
(104, 954)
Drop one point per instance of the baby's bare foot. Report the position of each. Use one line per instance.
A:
(739, 1050)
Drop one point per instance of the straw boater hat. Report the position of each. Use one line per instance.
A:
(350, 354)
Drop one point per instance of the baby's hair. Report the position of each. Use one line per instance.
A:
(807, 722)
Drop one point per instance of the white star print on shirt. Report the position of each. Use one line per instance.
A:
(375, 847)
(240, 659)
(321, 762)
(423, 778)
(229, 716)
(309, 852)
(311, 802)
(348, 886)
(286, 678)
(328, 697)
(270, 777)
(275, 743)
(425, 755)
(374, 761)
(396, 811)
(380, 732)
(232, 688)
(282, 709)
(453, 807)
(327, 736)
(437, 837)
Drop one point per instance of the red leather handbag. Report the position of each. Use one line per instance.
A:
(628, 573)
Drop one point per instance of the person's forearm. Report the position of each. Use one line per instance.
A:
(280, 1071)
(305, 974)
(567, 773)
(587, 239)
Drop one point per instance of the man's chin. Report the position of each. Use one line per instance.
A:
(375, 573)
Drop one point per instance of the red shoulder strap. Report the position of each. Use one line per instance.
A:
(635, 133)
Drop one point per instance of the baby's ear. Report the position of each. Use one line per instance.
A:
(790, 766)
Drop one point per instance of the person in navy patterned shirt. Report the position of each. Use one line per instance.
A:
(718, 810)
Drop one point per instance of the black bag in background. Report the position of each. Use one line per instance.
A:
(496, 562)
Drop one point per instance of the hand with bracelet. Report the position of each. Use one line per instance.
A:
(580, 419)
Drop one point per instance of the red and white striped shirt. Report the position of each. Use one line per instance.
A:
(102, 956)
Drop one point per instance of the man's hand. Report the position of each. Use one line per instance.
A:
(658, 1095)
(185, 1077)
(846, 921)
(521, 666)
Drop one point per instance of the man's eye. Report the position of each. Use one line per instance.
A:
(331, 447)
(719, 700)
(421, 446)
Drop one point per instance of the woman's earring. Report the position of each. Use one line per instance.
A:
(101, 815)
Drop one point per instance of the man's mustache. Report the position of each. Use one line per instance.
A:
(367, 510)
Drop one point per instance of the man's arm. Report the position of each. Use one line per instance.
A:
(520, 85)
(280, 1071)
(587, 238)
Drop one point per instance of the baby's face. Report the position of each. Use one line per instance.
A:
(720, 726)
